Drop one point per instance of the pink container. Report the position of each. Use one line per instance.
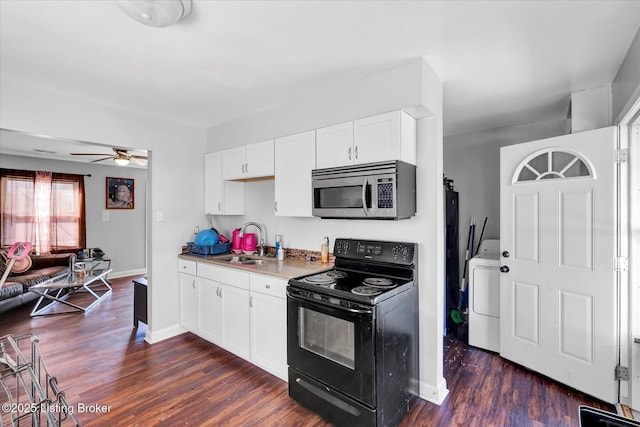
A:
(249, 243)
(236, 242)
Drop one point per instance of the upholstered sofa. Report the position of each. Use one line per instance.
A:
(15, 290)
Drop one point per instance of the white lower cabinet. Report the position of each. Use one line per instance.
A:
(269, 324)
(235, 321)
(209, 310)
(188, 301)
(242, 312)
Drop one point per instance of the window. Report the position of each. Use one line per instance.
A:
(552, 164)
(44, 208)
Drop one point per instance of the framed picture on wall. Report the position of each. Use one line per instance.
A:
(120, 193)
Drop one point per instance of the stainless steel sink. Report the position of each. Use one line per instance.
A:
(245, 260)
(254, 262)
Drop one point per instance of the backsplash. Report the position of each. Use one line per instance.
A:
(298, 253)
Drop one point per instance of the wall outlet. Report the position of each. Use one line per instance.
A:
(196, 229)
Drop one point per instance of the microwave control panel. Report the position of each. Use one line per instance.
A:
(385, 193)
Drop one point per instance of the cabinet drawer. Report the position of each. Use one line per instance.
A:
(185, 266)
(268, 285)
(227, 276)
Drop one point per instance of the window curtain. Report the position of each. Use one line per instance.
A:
(42, 212)
(45, 208)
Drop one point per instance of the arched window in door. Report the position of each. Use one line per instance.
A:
(552, 164)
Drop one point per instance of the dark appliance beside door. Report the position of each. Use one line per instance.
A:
(352, 344)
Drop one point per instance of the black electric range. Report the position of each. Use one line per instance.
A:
(352, 335)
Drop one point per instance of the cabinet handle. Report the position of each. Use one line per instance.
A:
(355, 152)
(193, 284)
(275, 206)
(242, 168)
(251, 301)
(219, 206)
(268, 286)
(246, 167)
(349, 153)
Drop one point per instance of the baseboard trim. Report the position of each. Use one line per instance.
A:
(432, 394)
(119, 274)
(153, 337)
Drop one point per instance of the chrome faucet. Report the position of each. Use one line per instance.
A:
(262, 235)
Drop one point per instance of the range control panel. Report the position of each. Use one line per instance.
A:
(381, 251)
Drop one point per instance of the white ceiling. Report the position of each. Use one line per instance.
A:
(503, 63)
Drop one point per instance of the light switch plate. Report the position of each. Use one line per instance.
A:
(160, 216)
(105, 216)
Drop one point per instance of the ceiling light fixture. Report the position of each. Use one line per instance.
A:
(156, 13)
(121, 160)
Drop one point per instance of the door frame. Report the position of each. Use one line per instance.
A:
(629, 247)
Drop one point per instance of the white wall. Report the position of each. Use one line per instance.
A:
(626, 85)
(123, 237)
(175, 174)
(472, 160)
(411, 86)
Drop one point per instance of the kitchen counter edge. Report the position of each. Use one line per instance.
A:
(285, 269)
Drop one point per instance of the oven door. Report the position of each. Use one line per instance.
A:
(332, 344)
(348, 197)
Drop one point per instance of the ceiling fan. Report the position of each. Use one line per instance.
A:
(122, 157)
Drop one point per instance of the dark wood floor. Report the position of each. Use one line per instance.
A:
(99, 358)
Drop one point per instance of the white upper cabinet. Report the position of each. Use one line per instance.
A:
(295, 158)
(334, 146)
(221, 197)
(259, 159)
(249, 161)
(389, 136)
(233, 163)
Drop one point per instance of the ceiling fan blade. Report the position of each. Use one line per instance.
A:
(135, 156)
(137, 160)
(99, 160)
(89, 154)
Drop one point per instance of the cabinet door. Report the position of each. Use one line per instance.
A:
(295, 158)
(209, 310)
(389, 136)
(269, 333)
(188, 301)
(259, 159)
(377, 138)
(213, 184)
(236, 325)
(221, 197)
(334, 146)
(233, 163)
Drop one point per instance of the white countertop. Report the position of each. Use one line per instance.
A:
(285, 269)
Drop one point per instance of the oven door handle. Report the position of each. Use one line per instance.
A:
(364, 195)
(350, 310)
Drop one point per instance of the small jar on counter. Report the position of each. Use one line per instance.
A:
(324, 250)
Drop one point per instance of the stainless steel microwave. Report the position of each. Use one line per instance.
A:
(382, 190)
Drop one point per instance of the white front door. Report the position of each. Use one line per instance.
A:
(558, 299)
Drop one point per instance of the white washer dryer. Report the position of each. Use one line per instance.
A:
(484, 296)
